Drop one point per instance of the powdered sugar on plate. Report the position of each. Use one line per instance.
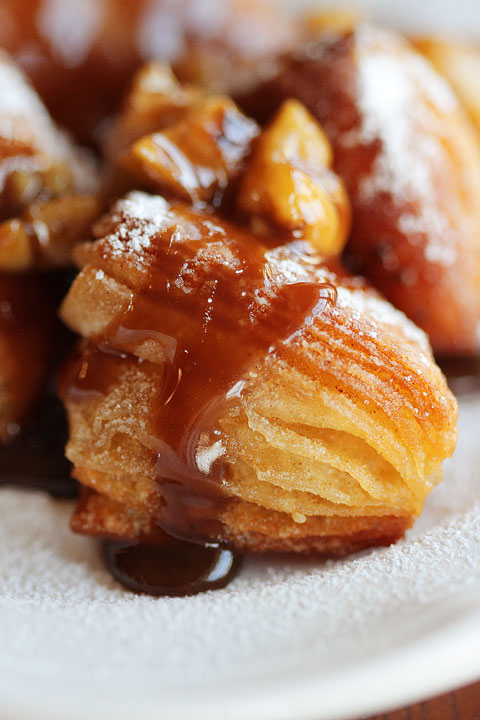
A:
(92, 649)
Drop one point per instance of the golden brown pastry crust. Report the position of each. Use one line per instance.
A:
(307, 465)
(247, 527)
(410, 159)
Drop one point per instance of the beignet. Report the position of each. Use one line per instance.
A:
(230, 390)
(48, 187)
(410, 159)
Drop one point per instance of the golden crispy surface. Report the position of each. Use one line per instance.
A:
(339, 434)
(410, 159)
(249, 527)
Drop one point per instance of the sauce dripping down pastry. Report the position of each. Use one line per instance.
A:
(232, 377)
(171, 566)
(258, 450)
(206, 301)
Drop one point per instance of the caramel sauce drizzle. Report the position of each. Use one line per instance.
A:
(213, 301)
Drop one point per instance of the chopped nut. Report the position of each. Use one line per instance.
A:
(197, 156)
(155, 101)
(288, 183)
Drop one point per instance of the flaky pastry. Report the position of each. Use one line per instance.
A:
(235, 392)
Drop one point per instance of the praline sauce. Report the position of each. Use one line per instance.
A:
(173, 567)
(211, 301)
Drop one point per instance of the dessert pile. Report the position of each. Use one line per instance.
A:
(255, 230)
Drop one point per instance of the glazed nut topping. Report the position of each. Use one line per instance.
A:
(288, 186)
(45, 233)
(197, 156)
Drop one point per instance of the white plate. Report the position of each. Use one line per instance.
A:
(287, 640)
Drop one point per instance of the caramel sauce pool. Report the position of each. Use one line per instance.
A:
(212, 302)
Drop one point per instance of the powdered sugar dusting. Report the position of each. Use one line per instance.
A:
(363, 305)
(280, 618)
(137, 219)
(399, 94)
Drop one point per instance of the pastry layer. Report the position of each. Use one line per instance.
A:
(342, 426)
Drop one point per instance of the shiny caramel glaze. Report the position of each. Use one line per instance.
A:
(197, 157)
(313, 361)
(154, 101)
(174, 139)
(207, 299)
(80, 55)
(170, 567)
(411, 162)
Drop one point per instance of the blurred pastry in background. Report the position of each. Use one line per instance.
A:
(49, 189)
(410, 158)
(459, 62)
(49, 197)
(81, 55)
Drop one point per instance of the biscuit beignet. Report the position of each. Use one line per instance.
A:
(410, 159)
(229, 390)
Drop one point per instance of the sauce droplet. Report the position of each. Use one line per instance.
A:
(172, 568)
